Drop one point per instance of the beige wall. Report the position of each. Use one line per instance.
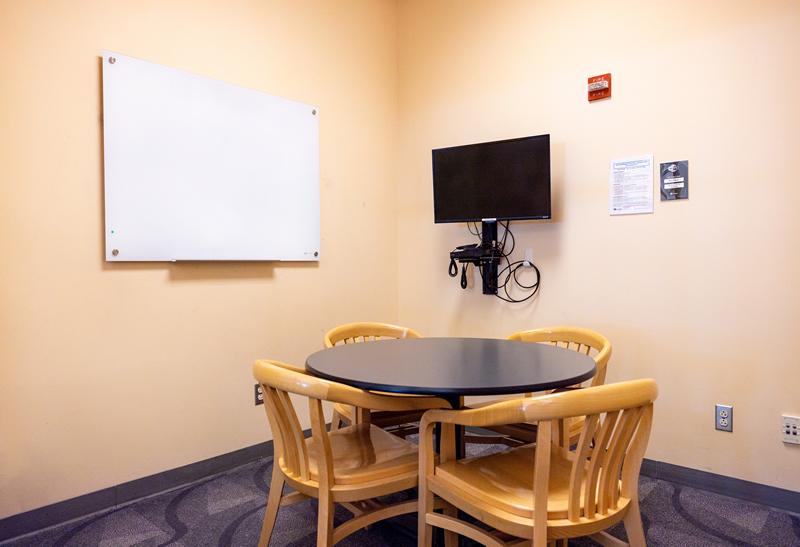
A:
(703, 294)
(113, 372)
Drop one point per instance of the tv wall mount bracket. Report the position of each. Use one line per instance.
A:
(485, 255)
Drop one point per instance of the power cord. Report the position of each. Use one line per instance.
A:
(511, 270)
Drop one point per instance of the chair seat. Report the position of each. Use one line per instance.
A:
(364, 453)
(505, 480)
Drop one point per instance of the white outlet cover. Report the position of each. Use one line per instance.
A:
(528, 256)
(790, 428)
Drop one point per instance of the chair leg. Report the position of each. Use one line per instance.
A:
(539, 540)
(325, 520)
(633, 525)
(424, 530)
(273, 504)
(450, 538)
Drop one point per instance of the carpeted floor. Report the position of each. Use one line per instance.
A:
(227, 510)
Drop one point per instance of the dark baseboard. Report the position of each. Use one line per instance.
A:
(763, 494)
(114, 496)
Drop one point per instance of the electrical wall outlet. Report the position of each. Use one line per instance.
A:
(791, 429)
(259, 395)
(528, 257)
(723, 420)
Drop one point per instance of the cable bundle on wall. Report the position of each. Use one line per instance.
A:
(510, 271)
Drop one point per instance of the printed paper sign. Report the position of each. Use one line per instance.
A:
(631, 186)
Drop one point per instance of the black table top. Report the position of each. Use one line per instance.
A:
(452, 366)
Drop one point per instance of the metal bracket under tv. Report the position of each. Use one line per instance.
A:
(486, 255)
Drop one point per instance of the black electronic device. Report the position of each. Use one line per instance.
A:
(467, 251)
(499, 180)
(485, 255)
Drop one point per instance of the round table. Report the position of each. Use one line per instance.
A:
(451, 368)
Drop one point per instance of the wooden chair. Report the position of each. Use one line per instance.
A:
(547, 492)
(350, 466)
(578, 339)
(353, 333)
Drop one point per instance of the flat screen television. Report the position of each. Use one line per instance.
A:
(503, 180)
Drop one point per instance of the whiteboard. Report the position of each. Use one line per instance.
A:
(198, 169)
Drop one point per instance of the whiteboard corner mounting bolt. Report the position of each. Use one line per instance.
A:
(115, 252)
(314, 112)
(112, 60)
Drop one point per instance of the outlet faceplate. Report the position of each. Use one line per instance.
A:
(791, 429)
(723, 418)
(259, 395)
(528, 257)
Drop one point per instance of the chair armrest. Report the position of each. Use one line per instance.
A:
(570, 403)
(503, 412)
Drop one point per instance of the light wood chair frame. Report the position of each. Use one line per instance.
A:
(360, 332)
(293, 454)
(604, 476)
(579, 339)
(582, 340)
(366, 331)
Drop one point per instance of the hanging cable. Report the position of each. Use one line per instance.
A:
(452, 270)
(511, 270)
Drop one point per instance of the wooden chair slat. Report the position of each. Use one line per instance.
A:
(288, 449)
(631, 419)
(294, 434)
(598, 453)
(579, 467)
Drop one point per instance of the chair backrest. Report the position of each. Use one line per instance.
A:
(366, 332)
(279, 379)
(578, 339)
(612, 441)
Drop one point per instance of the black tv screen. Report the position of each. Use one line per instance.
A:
(503, 180)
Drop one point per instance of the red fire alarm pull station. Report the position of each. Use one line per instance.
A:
(599, 87)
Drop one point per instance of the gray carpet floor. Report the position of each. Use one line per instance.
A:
(227, 510)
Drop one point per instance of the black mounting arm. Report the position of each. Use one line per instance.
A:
(485, 255)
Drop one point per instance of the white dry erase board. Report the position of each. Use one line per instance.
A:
(199, 169)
